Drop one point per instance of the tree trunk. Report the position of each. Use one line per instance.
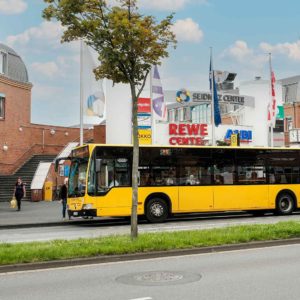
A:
(135, 164)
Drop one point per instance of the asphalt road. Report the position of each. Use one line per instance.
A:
(265, 273)
(111, 227)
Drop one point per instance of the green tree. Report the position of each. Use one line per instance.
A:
(128, 44)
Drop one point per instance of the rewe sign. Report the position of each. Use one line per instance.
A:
(187, 134)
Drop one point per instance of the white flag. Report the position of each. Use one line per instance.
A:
(93, 92)
(158, 99)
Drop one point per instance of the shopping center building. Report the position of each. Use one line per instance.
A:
(244, 110)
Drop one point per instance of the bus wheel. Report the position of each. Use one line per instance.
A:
(285, 204)
(156, 210)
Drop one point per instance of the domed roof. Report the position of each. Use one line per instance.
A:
(14, 67)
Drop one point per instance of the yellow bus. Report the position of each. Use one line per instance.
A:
(174, 180)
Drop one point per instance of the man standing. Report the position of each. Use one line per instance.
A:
(63, 196)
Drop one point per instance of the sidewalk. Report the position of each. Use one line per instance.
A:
(42, 213)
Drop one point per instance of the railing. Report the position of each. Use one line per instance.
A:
(13, 167)
(8, 168)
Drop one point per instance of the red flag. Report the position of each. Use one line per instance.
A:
(272, 107)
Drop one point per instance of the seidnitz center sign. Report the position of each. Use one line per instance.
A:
(233, 99)
(187, 134)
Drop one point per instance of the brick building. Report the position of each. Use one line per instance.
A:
(291, 102)
(19, 138)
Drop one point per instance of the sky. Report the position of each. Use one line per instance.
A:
(241, 34)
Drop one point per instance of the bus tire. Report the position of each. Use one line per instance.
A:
(285, 204)
(156, 210)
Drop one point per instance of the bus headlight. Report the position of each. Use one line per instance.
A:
(87, 206)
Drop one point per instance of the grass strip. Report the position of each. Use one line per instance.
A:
(122, 244)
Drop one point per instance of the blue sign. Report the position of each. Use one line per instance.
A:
(67, 170)
(245, 135)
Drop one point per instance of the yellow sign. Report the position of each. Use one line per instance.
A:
(234, 140)
(48, 191)
(145, 136)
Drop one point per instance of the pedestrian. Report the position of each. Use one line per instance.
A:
(63, 197)
(19, 192)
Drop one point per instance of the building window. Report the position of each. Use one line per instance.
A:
(2, 107)
(171, 113)
(290, 93)
(181, 114)
(201, 113)
(3, 57)
(176, 118)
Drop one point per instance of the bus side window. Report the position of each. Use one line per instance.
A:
(205, 176)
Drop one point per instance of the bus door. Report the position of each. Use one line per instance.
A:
(195, 192)
(113, 182)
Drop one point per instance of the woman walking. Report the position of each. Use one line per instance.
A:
(19, 192)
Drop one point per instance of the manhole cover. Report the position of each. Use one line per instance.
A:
(159, 278)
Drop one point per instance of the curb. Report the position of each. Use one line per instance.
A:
(108, 222)
(140, 256)
(32, 225)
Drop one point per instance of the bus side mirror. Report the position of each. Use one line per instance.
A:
(56, 165)
(56, 162)
(98, 165)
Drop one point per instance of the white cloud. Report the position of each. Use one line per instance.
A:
(291, 50)
(171, 5)
(43, 92)
(161, 5)
(47, 32)
(187, 30)
(48, 69)
(241, 53)
(11, 7)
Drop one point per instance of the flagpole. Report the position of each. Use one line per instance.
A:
(81, 92)
(213, 139)
(271, 97)
(152, 111)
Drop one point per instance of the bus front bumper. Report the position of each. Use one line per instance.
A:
(83, 213)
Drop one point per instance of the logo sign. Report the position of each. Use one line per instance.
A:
(245, 135)
(187, 134)
(280, 113)
(145, 136)
(144, 105)
(183, 96)
(144, 121)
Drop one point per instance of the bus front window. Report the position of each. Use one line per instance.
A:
(77, 177)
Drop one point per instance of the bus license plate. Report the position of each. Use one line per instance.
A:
(75, 213)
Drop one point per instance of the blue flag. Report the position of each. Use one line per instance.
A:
(212, 84)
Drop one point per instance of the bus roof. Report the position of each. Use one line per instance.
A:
(189, 146)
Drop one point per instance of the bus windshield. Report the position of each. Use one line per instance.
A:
(77, 177)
